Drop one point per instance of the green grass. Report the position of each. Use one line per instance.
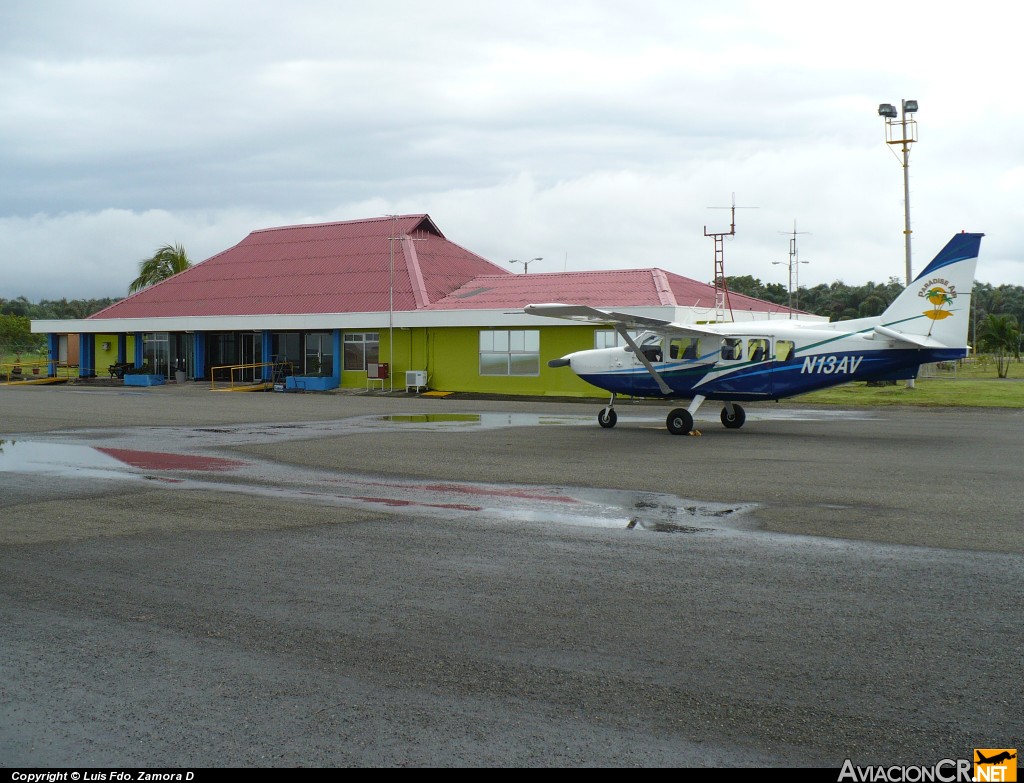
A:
(960, 392)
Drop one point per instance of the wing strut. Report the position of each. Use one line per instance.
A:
(665, 388)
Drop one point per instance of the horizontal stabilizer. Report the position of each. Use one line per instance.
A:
(917, 340)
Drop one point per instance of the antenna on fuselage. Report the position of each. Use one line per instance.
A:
(722, 302)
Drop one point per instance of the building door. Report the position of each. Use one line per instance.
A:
(251, 354)
(319, 353)
(156, 352)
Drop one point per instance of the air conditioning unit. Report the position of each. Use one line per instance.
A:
(415, 379)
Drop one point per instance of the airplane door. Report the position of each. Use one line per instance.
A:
(641, 383)
(759, 354)
(750, 362)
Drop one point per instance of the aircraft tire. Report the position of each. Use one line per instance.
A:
(737, 419)
(607, 418)
(679, 421)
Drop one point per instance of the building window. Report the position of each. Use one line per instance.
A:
(510, 352)
(361, 348)
(609, 338)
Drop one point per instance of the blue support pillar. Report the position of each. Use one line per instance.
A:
(337, 355)
(122, 347)
(86, 355)
(267, 348)
(199, 351)
(140, 356)
(52, 353)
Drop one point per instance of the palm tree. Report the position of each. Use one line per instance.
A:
(1000, 334)
(167, 261)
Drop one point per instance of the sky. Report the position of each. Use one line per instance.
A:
(594, 135)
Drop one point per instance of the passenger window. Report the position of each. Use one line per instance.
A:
(784, 350)
(685, 348)
(732, 349)
(758, 349)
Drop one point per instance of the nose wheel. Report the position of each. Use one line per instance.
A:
(607, 418)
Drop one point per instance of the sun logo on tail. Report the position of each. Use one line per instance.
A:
(941, 295)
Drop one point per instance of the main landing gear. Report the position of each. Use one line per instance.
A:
(680, 420)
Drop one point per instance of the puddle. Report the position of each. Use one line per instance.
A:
(99, 461)
(448, 500)
(484, 421)
(433, 418)
(60, 459)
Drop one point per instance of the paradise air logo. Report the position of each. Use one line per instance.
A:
(995, 764)
(941, 294)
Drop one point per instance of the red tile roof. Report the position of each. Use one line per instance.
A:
(345, 268)
(613, 288)
(322, 268)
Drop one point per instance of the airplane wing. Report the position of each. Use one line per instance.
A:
(610, 317)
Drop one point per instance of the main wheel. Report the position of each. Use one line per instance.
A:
(679, 421)
(607, 418)
(735, 421)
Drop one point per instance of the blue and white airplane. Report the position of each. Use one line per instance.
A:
(771, 360)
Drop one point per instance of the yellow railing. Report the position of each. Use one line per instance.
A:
(230, 377)
(36, 371)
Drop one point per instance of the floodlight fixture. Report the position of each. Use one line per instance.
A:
(909, 107)
(888, 110)
(526, 264)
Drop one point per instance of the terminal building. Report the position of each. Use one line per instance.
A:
(333, 302)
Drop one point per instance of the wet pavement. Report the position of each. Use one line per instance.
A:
(326, 582)
(192, 470)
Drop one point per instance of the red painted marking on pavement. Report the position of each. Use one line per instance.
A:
(157, 460)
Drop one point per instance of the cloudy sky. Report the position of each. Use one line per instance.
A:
(596, 134)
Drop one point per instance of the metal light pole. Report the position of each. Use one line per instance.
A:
(526, 264)
(903, 132)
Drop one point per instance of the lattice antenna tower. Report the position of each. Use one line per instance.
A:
(722, 302)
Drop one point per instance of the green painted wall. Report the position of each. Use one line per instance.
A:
(105, 358)
(451, 357)
(409, 354)
(454, 363)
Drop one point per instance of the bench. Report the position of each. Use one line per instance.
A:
(117, 370)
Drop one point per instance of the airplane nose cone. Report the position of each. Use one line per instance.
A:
(563, 362)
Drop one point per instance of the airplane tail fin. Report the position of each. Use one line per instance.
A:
(934, 310)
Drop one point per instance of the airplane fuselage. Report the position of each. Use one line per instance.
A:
(755, 361)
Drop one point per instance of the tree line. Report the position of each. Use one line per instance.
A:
(840, 302)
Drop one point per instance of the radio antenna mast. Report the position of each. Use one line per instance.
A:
(722, 302)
